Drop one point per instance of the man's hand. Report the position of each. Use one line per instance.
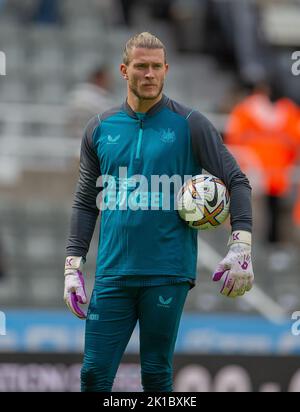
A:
(236, 268)
(74, 286)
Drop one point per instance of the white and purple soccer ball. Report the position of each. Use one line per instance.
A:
(203, 202)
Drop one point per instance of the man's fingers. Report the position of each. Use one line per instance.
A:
(242, 292)
(74, 292)
(80, 290)
(240, 287)
(77, 310)
(219, 272)
(233, 286)
(81, 296)
(72, 304)
(236, 271)
(249, 283)
(228, 284)
(233, 293)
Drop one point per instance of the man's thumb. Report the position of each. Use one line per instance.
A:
(81, 296)
(219, 272)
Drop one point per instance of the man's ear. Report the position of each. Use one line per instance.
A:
(123, 70)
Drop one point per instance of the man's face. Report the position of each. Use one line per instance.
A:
(146, 72)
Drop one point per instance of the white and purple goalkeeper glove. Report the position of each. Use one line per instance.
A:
(74, 286)
(235, 269)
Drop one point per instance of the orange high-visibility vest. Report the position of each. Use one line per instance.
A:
(269, 130)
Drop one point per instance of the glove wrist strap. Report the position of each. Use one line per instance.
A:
(73, 263)
(240, 236)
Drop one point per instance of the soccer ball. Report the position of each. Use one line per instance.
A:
(203, 202)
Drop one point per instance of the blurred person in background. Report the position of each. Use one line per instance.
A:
(47, 12)
(268, 130)
(296, 209)
(147, 259)
(87, 99)
(126, 7)
(40, 12)
(242, 46)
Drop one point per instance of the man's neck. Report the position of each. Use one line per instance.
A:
(141, 105)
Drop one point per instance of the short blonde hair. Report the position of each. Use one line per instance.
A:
(142, 40)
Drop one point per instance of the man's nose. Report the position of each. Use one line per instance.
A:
(149, 74)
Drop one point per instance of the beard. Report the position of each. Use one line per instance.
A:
(141, 96)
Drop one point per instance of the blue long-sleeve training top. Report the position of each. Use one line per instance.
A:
(169, 140)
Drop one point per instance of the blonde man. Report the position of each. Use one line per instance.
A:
(147, 255)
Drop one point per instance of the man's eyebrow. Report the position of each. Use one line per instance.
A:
(147, 63)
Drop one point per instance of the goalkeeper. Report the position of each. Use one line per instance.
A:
(147, 256)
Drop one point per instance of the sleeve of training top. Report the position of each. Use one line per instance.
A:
(214, 157)
(84, 208)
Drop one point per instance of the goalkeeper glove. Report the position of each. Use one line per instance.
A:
(74, 286)
(236, 268)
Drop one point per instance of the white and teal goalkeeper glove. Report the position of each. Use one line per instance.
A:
(74, 285)
(236, 268)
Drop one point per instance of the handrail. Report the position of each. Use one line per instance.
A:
(33, 113)
(14, 146)
(21, 113)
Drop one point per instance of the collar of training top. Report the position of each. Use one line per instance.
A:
(154, 109)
